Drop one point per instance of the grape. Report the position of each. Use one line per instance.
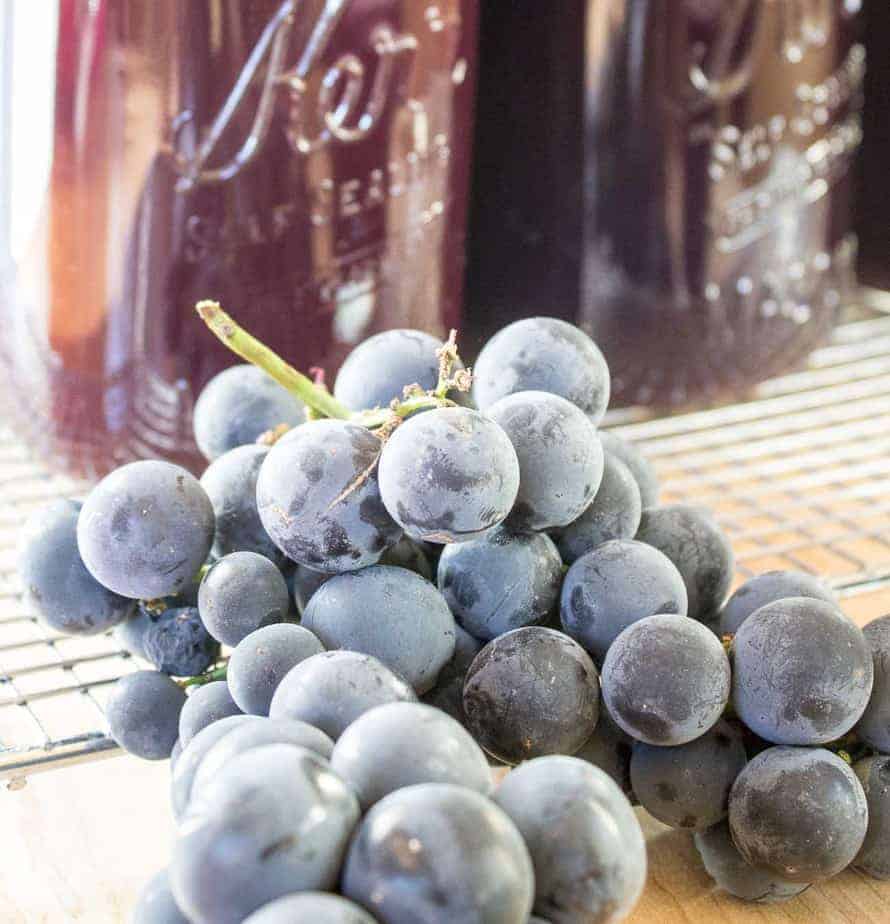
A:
(531, 692)
(176, 642)
(503, 581)
(555, 444)
(614, 513)
(873, 858)
(304, 583)
(261, 660)
(874, 726)
(703, 555)
(206, 704)
(448, 693)
(640, 467)
(242, 593)
(448, 475)
(143, 714)
(230, 483)
(318, 497)
(156, 904)
(802, 672)
(407, 553)
(400, 744)
(767, 588)
(728, 868)
(613, 586)
(543, 354)
(688, 786)
(609, 748)
(145, 529)
(331, 690)
(274, 820)
(390, 613)
(378, 369)
(238, 405)
(436, 852)
(59, 589)
(313, 908)
(586, 844)
(800, 812)
(666, 680)
(175, 754)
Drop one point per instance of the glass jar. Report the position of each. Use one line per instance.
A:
(305, 162)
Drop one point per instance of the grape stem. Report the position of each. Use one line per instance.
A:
(218, 673)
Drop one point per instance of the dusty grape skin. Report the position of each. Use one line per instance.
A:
(640, 467)
(303, 583)
(613, 586)
(614, 513)
(609, 748)
(274, 820)
(800, 812)
(874, 725)
(238, 405)
(873, 858)
(448, 475)
(731, 872)
(767, 588)
(503, 581)
(177, 643)
(390, 613)
(242, 593)
(448, 693)
(331, 690)
(693, 541)
(802, 672)
(586, 844)
(58, 588)
(156, 904)
(666, 680)
(438, 852)
(205, 705)
(143, 712)
(130, 632)
(145, 529)
(260, 661)
(313, 908)
(407, 553)
(688, 786)
(230, 483)
(556, 444)
(403, 744)
(319, 500)
(529, 693)
(543, 354)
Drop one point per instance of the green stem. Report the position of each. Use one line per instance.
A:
(249, 348)
(381, 416)
(218, 673)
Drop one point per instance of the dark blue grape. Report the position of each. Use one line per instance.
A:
(448, 693)
(609, 748)
(331, 690)
(390, 613)
(873, 858)
(242, 593)
(874, 726)
(143, 712)
(313, 908)
(529, 693)
(205, 705)
(230, 483)
(318, 497)
(303, 584)
(146, 529)
(586, 844)
(503, 581)
(59, 590)
(448, 475)
(238, 405)
(614, 513)
(437, 852)
(666, 680)
(800, 812)
(543, 354)
(156, 904)
(556, 445)
(260, 661)
(640, 467)
(407, 553)
(613, 586)
(802, 672)
(176, 642)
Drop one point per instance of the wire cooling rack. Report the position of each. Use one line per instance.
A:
(799, 476)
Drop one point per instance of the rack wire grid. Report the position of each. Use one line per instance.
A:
(799, 477)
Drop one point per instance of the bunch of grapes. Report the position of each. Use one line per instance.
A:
(372, 595)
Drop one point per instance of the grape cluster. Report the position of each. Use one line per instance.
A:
(351, 616)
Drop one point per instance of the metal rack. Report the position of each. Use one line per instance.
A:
(799, 476)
